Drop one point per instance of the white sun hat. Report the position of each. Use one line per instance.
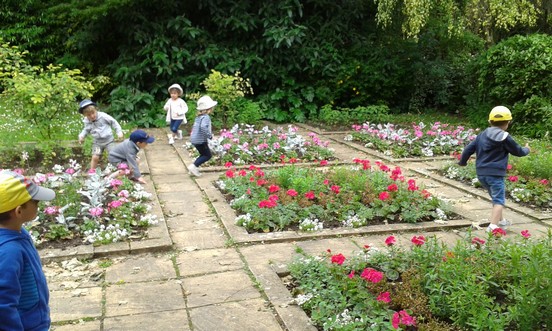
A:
(205, 102)
(176, 86)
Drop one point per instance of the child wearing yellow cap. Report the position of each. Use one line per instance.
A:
(23, 290)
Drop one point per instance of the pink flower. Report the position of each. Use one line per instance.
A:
(310, 195)
(478, 241)
(96, 211)
(229, 174)
(70, 171)
(338, 259)
(525, 234)
(292, 160)
(267, 204)
(402, 318)
(261, 182)
(242, 173)
(115, 204)
(513, 179)
(544, 181)
(323, 163)
(384, 297)
(372, 275)
(326, 181)
(91, 171)
(393, 187)
(418, 240)
(51, 210)
(115, 183)
(335, 189)
(291, 192)
(509, 167)
(273, 188)
(122, 166)
(390, 241)
(425, 194)
(384, 195)
(228, 164)
(351, 275)
(498, 232)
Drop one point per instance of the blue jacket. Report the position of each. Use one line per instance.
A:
(23, 290)
(492, 148)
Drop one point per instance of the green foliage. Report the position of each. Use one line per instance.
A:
(229, 91)
(134, 106)
(533, 117)
(346, 116)
(510, 73)
(46, 98)
(12, 61)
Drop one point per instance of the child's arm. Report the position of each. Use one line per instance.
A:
(85, 131)
(468, 151)
(184, 108)
(115, 125)
(10, 269)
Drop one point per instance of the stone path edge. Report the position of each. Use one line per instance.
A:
(158, 236)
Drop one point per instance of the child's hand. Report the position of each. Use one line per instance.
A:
(81, 140)
(527, 146)
(120, 136)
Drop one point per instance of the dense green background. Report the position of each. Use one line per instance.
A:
(453, 56)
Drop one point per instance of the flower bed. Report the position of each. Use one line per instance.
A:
(92, 209)
(417, 140)
(489, 283)
(246, 145)
(525, 189)
(308, 199)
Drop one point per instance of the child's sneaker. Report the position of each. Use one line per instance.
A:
(504, 223)
(171, 140)
(491, 227)
(179, 135)
(194, 170)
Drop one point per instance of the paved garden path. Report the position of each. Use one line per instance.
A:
(200, 272)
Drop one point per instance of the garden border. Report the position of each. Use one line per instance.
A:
(158, 235)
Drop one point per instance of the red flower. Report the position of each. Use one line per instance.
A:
(544, 181)
(291, 192)
(384, 195)
(390, 241)
(418, 240)
(478, 241)
(384, 297)
(509, 167)
(293, 160)
(338, 259)
(525, 234)
(372, 275)
(403, 318)
(267, 204)
(498, 232)
(335, 188)
(326, 181)
(261, 182)
(426, 194)
(393, 187)
(310, 195)
(273, 188)
(323, 163)
(351, 275)
(513, 179)
(273, 197)
(229, 174)
(243, 173)
(228, 164)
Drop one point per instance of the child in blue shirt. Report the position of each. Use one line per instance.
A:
(24, 296)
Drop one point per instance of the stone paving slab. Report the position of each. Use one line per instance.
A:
(78, 326)
(74, 304)
(246, 315)
(144, 297)
(165, 320)
(219, 288)
(195, 221)
(208, 261)
(140, 268)
(199, 239)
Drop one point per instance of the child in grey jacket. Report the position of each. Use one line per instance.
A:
(127, 151)
(100, 126)
(201, 133)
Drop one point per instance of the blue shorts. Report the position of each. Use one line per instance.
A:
(496, 188)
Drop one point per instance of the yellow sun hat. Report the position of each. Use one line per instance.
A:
(15, 190)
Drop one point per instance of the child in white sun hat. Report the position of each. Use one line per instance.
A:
(202, 132)
(176, 109)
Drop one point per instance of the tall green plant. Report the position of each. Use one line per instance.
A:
(45, 98)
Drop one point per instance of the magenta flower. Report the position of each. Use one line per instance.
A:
(51, 210)
(525, 234)
(115, 204)
(323, 163)
(498, 232)
(291, 192)
(351, 275)
(273, 188)
(402, 318)
(390, 241)
(70, 171)
(372, 275)
(335, 189)
(418, 240)
(123, 194)
(228, 164)
(122, 166)
(310, 195)
(91, 171)
(513, 179)
(384, 195)
(478, 241)
(544, 181)
(393, 187)
(338, 259)
(96, 211)
(229, 174)
(115, 183)
(384, 297)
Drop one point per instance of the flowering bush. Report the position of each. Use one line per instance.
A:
(309, 199)
(96, 209)
(480, 284)
(522, 188)
(419, 140)
(247, 145)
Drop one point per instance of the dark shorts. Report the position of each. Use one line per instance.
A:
(496, 188)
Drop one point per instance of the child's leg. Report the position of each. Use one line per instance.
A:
(96, 152)
(497, 191)
(496, 214)
(204, 154)
(175, 124)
